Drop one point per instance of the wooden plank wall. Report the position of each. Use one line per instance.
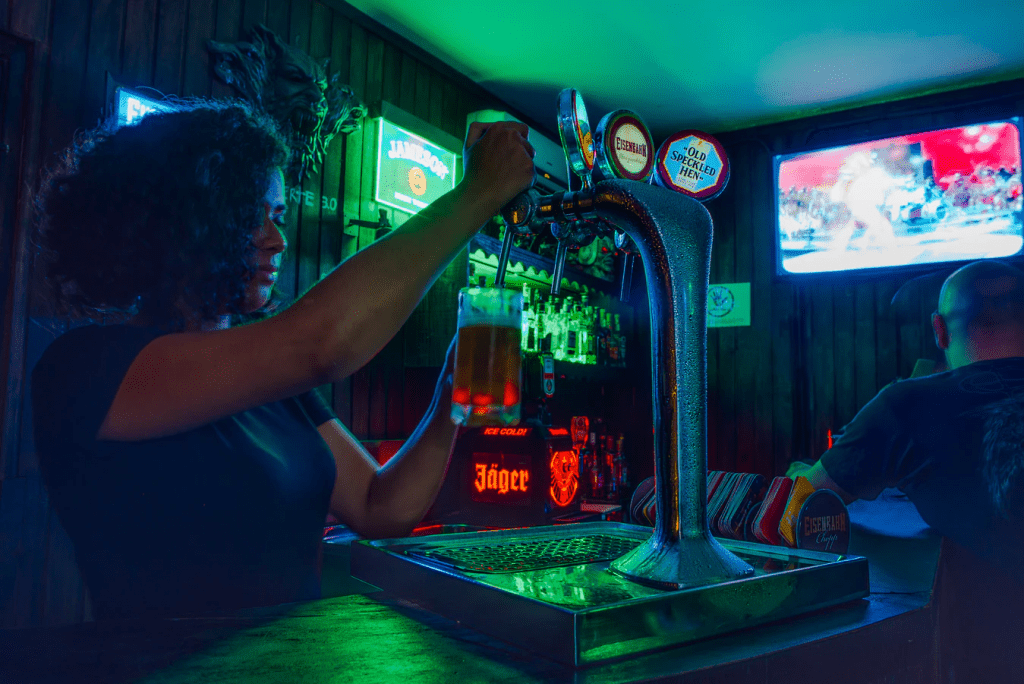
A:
(162, 44)
(817, 350)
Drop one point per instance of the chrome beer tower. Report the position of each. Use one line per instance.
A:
(672, 234)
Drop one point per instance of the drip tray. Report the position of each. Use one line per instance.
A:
(549, 590)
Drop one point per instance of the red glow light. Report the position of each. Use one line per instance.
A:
(558, 432)
(506, 432)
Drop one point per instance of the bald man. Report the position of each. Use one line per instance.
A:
(953, 442)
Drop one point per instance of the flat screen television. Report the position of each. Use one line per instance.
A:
(934, 197)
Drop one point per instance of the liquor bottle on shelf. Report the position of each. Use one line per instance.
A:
(596, 471)
(611, 478)
(602, 338)
(591, 328)
(582, 331)
(528, 338)
(620, 457)
(620, 335)
(568, 333)
(543, 331)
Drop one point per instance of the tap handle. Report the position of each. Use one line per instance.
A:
(506, 249)
(519, 212)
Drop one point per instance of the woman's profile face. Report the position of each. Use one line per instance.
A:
(270, 244)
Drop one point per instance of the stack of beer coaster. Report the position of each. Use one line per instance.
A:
(746, 507)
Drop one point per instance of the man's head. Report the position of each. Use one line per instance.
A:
(981, 313)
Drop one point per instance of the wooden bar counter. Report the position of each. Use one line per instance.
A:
(369, 637)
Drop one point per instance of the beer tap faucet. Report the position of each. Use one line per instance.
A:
(672, 233)
(625, 244)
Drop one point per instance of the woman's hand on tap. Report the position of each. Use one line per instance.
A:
(498, 161)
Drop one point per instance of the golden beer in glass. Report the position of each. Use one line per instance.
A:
(488, 362)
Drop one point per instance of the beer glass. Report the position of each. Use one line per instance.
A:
(488, 362)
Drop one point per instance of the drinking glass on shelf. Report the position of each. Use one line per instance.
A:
(488, 359)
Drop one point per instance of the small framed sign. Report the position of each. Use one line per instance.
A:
(728, 305)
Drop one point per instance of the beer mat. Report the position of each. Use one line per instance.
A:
(748, 524)
(750, 494)
(721, 522)
(530, 555)
(715, 478)
(722, 494)
(721, 500)
(766, 525)
(802, 488)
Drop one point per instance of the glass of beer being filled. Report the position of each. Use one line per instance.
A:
(488, 362)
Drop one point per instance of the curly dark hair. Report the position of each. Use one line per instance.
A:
(133, 220)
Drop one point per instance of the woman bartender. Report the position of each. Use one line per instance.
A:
(188, 458)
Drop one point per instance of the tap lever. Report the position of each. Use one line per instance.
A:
(560, 253)
(506, 249)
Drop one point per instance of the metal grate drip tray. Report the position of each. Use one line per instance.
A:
(528, 556)
(549, 589)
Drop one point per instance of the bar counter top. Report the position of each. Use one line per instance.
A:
(371, 637)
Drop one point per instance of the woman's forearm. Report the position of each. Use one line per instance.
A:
(363, 302)
(406, 486)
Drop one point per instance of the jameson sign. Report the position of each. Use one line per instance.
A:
(411, 171)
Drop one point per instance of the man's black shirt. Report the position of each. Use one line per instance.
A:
(940, 439)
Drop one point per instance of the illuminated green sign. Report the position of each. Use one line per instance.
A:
(728, 305)
(411, 171)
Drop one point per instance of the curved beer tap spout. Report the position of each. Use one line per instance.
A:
(673, 235)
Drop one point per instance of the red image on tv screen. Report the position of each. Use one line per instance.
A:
(932, 197)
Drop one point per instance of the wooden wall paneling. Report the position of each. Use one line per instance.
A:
(65, 78)
(137, 58)
(103, 56)
(172, 16)
(724, 246)
(450, 121)
(253, 12)
(298, 24)
(768, 397)
(391, 86)
(886, 368)
(29, 19)
(24, 511)
(821, 354)
(908, 335)
(421, 103)
(278, 17)
(865, 380)
(198, 32)
(229, 22)
(749, 342)
(785, 377)
(844, 316)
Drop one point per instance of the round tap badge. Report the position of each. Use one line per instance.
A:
(693, 163)
(574, 131)
(624, 147)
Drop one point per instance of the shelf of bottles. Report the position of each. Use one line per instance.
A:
(570, 329)
(604, 474)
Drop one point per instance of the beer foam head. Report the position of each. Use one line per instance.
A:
(490, 306)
